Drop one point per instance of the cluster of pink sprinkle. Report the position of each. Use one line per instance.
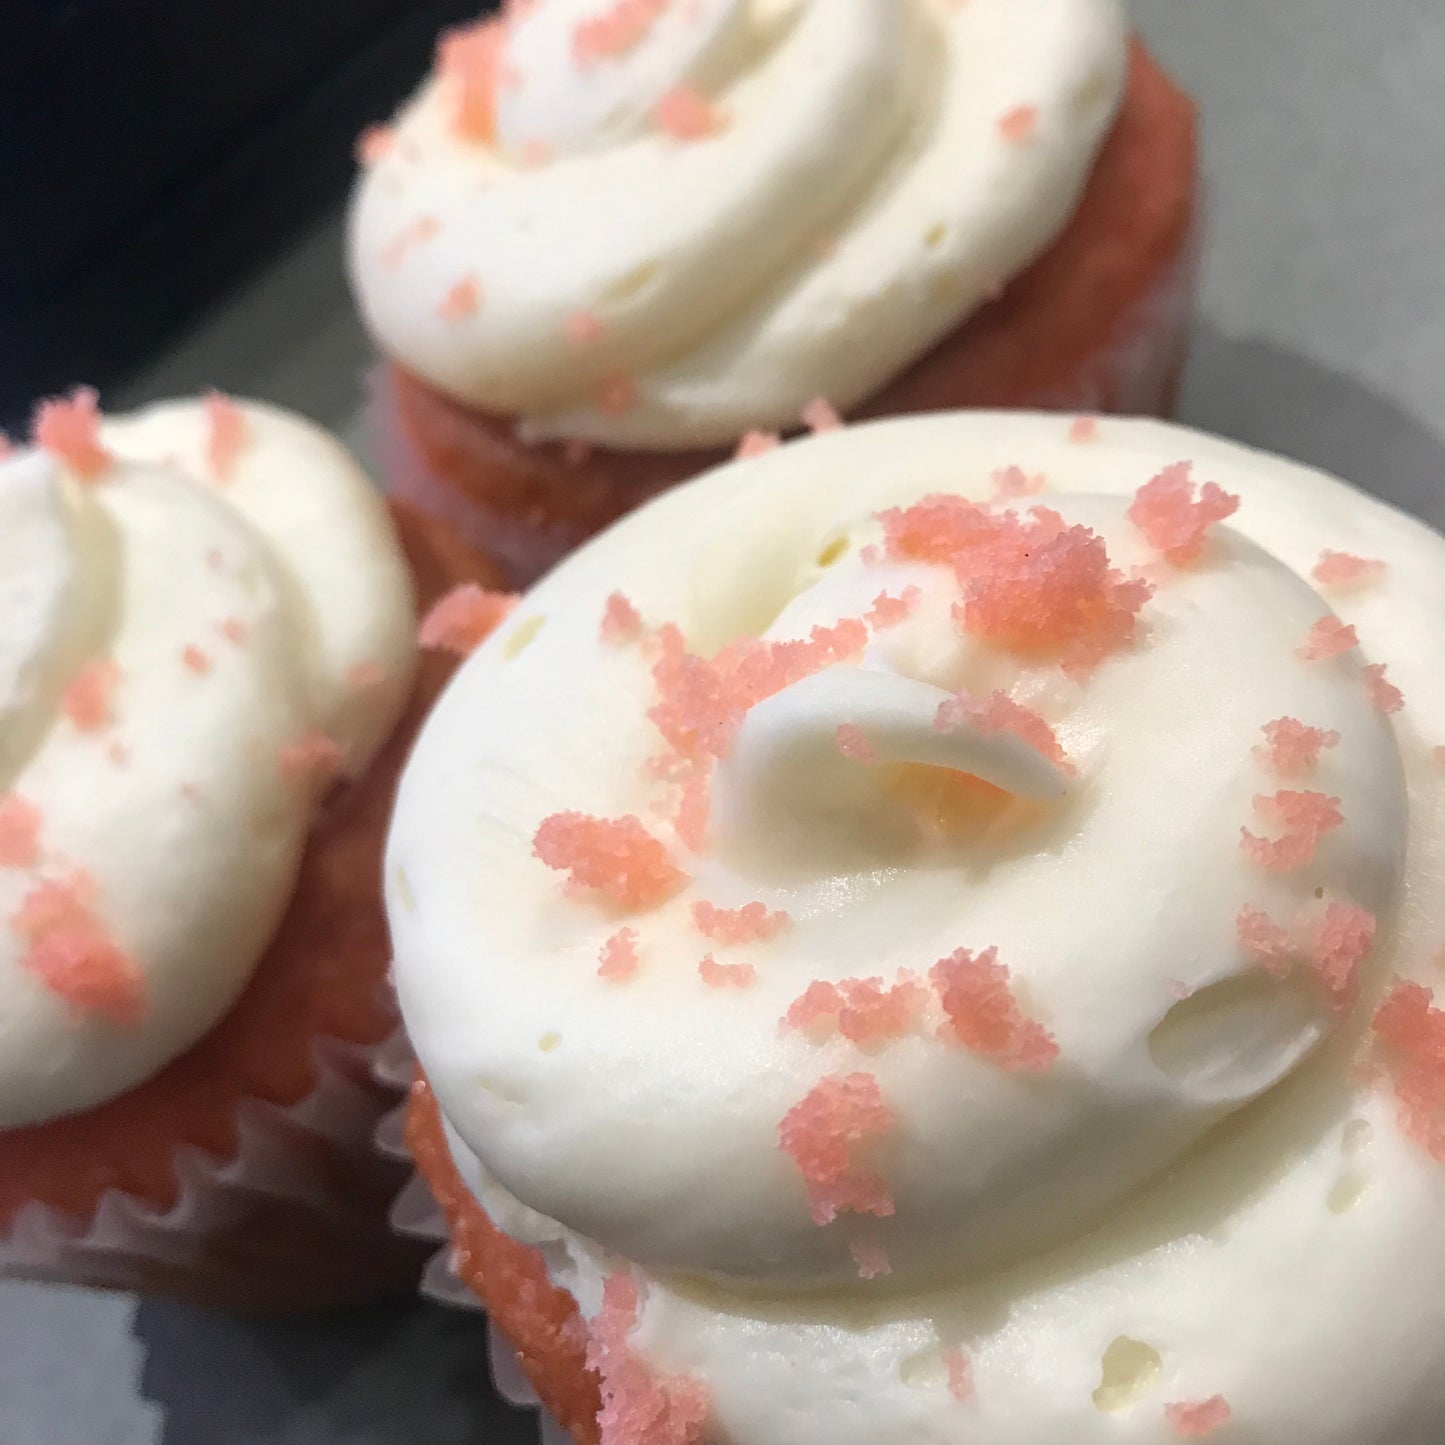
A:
(1344, 569)
(20, 824)
(820, 415)
(984, 1016)
(469, 60)
(854, 743)
(1292, 748)
(890, 611)
(69, 952)
(415, 233)
(1411, 1031)
(87, 697)
(462, 300)
(752, 923)
(637, 1407)
(618, 961)
(1194, 1420)
(686, 114)
(1329, 637)
(465, 618)
(617, 857)
(871, 1260)
(69, 429)
(622, 27)
(1015, 482)
(1173, 519)
(726, 975)
(756, 443)
(225, 435)
(863, 1010)
(999, 713)
(1385, 697)
(960, 1375)
(621, 621)
(820, 1135)
(1303, 818)
(1019, 124)
(374, 144)
(1335, 947)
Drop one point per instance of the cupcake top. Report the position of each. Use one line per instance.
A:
(663, 223)
(207, 617)
(978, 874)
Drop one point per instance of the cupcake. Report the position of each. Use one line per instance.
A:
(208, 684)
(605, 245)
(931, 934)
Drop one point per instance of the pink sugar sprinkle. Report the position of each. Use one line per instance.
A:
(617, 857)
(195, 660)
(1019, 124)
(1292, 748)
(726, 975)
(820, 415)
(235, 630)
(702, 701)
(999, 713)
(463, 300)
(618, 960)
(890, 611)
(984, 1016)
(1304, 818)
(757, 443)
(465, 618)
(1385, 697)
(374, 144)
(617, 393)
(694, 807)
(314, 756)
(936, 529)
(960, 1375)
(1084, 429)
(584, 328)
(226, 434)
(1264, 939)
(416, 233)
(820, 1135)
(1015, 482)
(622, 27)
(1343, 939)
(686, 115)
(1173, 519)
(365, 676)
(621, 621)
(20, 824)
(862, 1010)
(1195, 1420)
(1329, 637)
(118, 755)
(638, 1407)
(1344, 569)
(853, 743)
(871, 1260)
(752, 923)
(1411, 1033)
(87, 697)
(69, 429)
(469, 61)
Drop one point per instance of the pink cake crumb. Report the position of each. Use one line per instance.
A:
(616, 857)
(621, 621)
(584, 328)
(465, 618)
(726, 975)
(686, 114)
(1342, 940)
(1345, 569)
(226, 434)
(1019, 124)
(821, 415)
(1411, 1033)
(469, 62)
(862, 1010)
(999, 713)
(620, 28)
(20, 824)
(1194, 1420)
(820, 1135)
(616, 393)
(87, 700)
(984, 1016)
(889, 611)
(1304, 818)
(1292, 748)
(464, 299)
(374, 144)
(1173, 519)
(194, 660)
(365, 676)
(752, 923)
(871, 1260)
(1084, 429)
(694, 807)
(638, 1407)
(1015, 482)
(1329, 637)
(960, 1375)
(315, 756)
(1385, 697)
(1264, 939)
(69, 429)
(618, 960)
(757, 443)
(853, 743)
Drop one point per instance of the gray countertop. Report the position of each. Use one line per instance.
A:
(1321, 335)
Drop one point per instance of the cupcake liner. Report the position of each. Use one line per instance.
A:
(232, 1236)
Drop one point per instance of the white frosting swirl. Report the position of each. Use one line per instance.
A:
(1201, 1180)
(233, 618)
(794, 253)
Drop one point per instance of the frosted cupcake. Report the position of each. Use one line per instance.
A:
(931, 935)
(208, 682)
(606, 243)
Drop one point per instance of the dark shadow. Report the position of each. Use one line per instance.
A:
(392, 1375)
(1259, 394)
